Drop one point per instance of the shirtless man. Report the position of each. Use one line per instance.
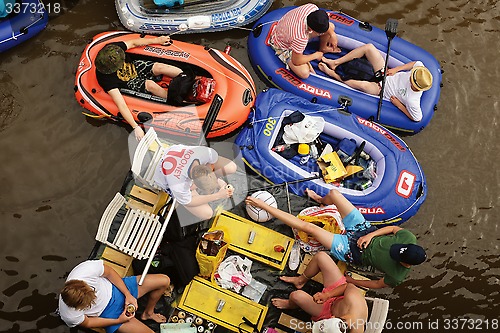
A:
(338, 299)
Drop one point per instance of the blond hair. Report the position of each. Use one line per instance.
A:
(78, 294)
(205, 179)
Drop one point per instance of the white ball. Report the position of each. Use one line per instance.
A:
(258, 214)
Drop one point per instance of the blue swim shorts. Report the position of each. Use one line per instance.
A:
(116, 304)
(353, 222)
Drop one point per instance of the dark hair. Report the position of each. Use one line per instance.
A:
(318, 21)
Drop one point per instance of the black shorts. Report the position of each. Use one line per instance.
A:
(355, 253)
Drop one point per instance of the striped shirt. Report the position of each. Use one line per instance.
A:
(292, 32)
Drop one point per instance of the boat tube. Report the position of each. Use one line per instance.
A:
(388, 191)
(232, 98)
(19, 21)
(178, 16)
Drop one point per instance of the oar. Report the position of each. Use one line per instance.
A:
(268, 187)
(391, 29)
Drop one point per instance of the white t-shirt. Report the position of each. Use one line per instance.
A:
(90, 272)
(399, 85)
(172, 172)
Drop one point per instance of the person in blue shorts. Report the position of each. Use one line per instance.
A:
(392, 250)
(94, 295)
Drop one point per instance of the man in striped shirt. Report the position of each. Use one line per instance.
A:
(292, 33)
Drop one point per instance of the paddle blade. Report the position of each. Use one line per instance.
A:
(391, 28)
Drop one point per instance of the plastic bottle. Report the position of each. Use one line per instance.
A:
(314, 151)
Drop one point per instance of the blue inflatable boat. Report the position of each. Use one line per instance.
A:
(20, 20)
(388, 191)
(179, 16)
(325, 90)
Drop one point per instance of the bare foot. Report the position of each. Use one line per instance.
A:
(281, 303)
(328, 71)
(313, 195)
(159, 318)
(330, 62)
(297, 281)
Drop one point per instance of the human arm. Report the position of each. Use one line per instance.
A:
(116, 280)
(328, 42)
(198, 199)
(122, 106)
(397, 103)
(300, 59)
(365, 240)
(91, 322)
(321, 297)
(370, 284)
(147, 41)
(405, 67)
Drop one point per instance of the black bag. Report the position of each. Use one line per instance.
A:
(180, 87)
(356, 69)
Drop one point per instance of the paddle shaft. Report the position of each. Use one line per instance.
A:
(391, 27)
(285, 183)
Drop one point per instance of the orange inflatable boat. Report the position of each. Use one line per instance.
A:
(231, 98)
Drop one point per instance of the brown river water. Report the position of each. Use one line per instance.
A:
(58, 170)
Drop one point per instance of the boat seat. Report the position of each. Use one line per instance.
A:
(146, 158)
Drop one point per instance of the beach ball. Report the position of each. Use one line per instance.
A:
(258, 214)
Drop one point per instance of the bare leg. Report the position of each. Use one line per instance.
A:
(203, 212)
(224, 166)
(322, 262)
(164, 69)
(367, 50)
(297, 299)
(155, 285)
(297, 281)
(330, 72)
(302, 71)
(156, 89)
(333, 197)
(134, 326)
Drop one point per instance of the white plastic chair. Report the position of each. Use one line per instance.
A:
(378, 315)
(144, 169)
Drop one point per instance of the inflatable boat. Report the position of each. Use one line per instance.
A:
(189, 16)
(19, 21)
(231, 99)
(325, 90)
(389, 184)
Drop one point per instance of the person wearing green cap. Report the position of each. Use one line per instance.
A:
(114, 70)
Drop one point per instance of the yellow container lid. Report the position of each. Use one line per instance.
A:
(303, 149)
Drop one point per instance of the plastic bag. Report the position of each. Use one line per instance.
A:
(305, 131)
(329, 216)
(211, 252)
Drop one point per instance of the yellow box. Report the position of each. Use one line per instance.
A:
(221, 306)
(261, 247)
(331, 167)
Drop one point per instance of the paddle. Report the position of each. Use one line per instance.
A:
(391, 28)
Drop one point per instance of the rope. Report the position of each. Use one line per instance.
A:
(305, 113)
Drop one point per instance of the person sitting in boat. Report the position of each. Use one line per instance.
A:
(114, 70)
(191, 175)
(292, 33)
(339, 301)
(392, 250)
(94, 295)
(404, 84)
